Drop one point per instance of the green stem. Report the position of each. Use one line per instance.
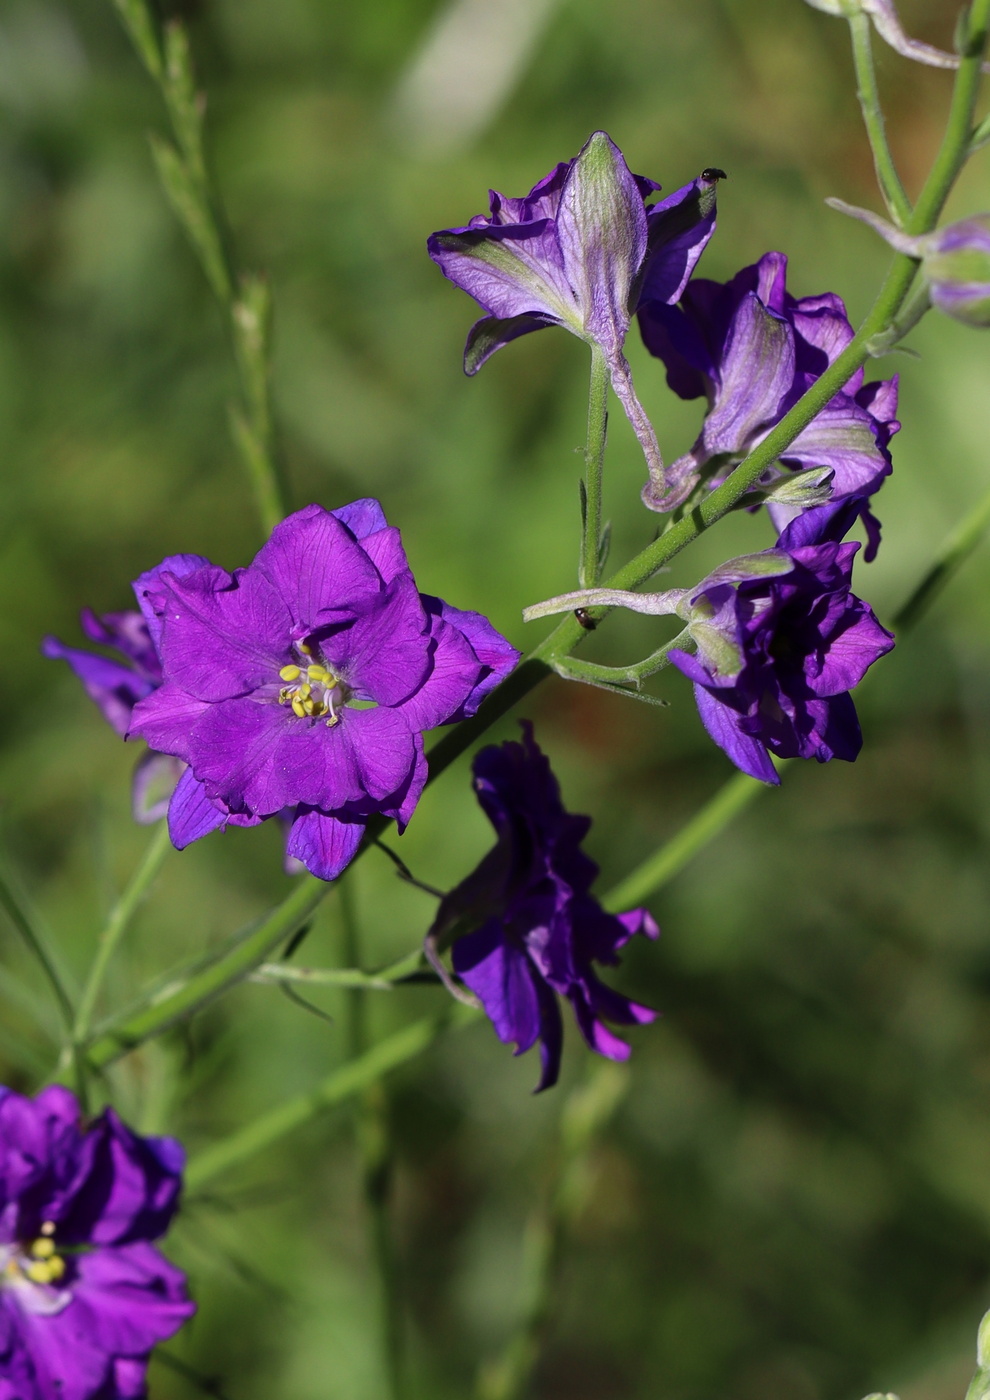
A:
(954, 552)
(16, 908)
(376, 1158)
(589, 570)
(350, 1079)
(179, 1003)
(891, 188)
(704, 826)
(116, 926)
(244, 297)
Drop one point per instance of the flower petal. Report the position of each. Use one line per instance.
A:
(191, 814)
(324, 844)
(318, 569)
(113, 687)
(722, 724)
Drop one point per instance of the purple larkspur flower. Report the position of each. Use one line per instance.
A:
(779, 652)
(84, 1295)
(581, 250)
(532, 927)
(753, 350)
(116, 685)
(301, 685)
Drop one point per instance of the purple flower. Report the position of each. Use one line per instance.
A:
(580, 251)
(752, 350)
(779, 653)
(533, 929)
(302, 684)
(84, 1297)
(117, 686)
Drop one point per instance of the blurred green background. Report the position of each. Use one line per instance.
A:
(794, 1199)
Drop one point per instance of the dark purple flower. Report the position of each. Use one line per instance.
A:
(580, 251)
(779, 653)
(752, 350)
(84, 1296)
(533, 929)
(302, 684)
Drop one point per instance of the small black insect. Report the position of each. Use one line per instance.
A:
(712, 172)
(586, 620)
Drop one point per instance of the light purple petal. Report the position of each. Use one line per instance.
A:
(325, 845)
(513, 270)
(757, 371)
(455, 672)
(149, 589)
(384, 549)
(678, 230)
(362, 517)
(601, 226)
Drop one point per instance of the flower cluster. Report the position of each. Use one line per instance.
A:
(525, 926)
(752, 349)
(84, 1296)
(299, 686)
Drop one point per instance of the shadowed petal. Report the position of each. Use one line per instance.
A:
(113, 687)
(722, 724)
(324, 844)
(191, 814)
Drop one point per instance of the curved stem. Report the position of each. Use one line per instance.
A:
(116, 926)
(589, 569)
(891, 188)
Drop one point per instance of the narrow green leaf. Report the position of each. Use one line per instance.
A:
(190, 205)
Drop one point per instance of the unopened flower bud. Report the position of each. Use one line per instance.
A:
(955, 261)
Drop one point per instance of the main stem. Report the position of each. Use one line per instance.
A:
(116, 926)
(891, 188)
(375, 1152)
(594, 460)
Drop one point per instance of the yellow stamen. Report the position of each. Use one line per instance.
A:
(298, 708)
(44, 1248)
(319, 673)
(41, 1272)
(306, 651)
(290, 673)
(57, 1266)
(304, 691)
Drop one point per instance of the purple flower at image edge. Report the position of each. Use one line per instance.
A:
(84, 1296)
(581, 250)
(752, 349)
(800, 642)
(535, 928)
(301, 686)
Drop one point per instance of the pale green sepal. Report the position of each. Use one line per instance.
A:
(769, 563)
(720, 655)
(807, 488)
(653, 604)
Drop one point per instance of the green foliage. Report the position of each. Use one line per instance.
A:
(793, 1200)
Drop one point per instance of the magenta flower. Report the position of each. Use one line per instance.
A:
(752, 350)
(581, 250)
(84, 1296)
(534, 928)
(778, 653)
(302, 685)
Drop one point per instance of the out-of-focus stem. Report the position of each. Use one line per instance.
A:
(375, 1153)
(585, 1114)
(594, 460)
(192, 191)
(116, 926)
(869, 100)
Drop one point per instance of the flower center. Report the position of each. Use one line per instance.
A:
(33, 1270)
(313, 692)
